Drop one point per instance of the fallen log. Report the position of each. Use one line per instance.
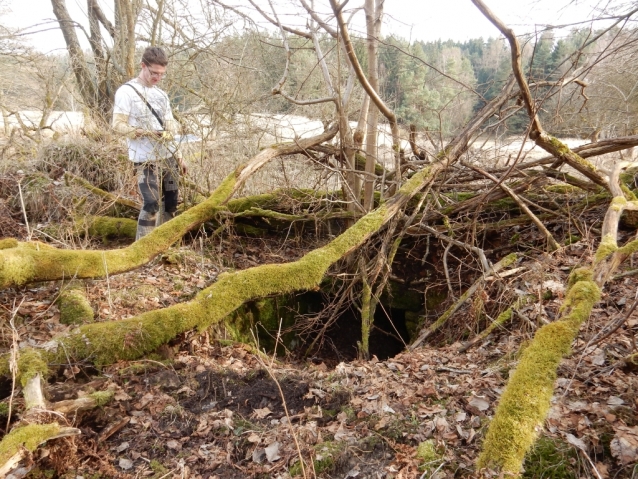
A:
(34, 261)
(525, 401)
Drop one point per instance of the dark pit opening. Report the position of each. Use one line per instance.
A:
(388, 337)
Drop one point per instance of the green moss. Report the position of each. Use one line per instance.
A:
(102, 398)
(327, 456)
(571, 239)
(461, 196)
(629, 248)
(29, 437)
(618, 203)
(250, 230)
(6, 243)
(31, 363)
(360, 164)
(107, 228)
(526, 399)
(515, 238)
(74, 305)
(629, 194)
(266, 315)
(563, 150)
(561, 147)
(367, 317)
(412, 186)
(38, 473)
(260, 201)
(562, 189)
(605, 249)
(550, 459)
(505, 204)
(579, 274)
(158, 468)
(427, 453)
(4, 409)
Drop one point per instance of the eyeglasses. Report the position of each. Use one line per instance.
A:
(153, 73)
(156, 74)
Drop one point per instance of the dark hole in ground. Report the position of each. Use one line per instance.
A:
(388, 337)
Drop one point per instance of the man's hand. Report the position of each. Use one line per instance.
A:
(182, 165)
(153, 134)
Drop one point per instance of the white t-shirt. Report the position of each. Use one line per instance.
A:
(129, 103)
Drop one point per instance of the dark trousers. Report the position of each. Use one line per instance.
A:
(158, 183)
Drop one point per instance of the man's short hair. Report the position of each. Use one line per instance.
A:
(154, 56)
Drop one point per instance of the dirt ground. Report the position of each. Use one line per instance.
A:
(208, 408)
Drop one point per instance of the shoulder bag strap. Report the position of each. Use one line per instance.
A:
(153, 111)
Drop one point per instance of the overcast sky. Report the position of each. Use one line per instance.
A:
(412, 19)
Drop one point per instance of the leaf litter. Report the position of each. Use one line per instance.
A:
(212, 410)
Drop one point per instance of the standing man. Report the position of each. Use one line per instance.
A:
(142, 113)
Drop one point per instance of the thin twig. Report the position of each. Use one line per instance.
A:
(447, 271)
(269, 369)
(480, 253)
(503, 263)
(553, 245)
(108, 283)
(612, 329)
(13, 362)
(24, 210)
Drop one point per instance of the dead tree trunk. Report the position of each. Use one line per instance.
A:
(526, 399)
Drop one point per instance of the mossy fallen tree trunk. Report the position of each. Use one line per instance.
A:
(526, 400)
(105, 343)
(75, 307)
(106, 227)
(28, 262)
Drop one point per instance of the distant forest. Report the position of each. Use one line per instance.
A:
(434, 85)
